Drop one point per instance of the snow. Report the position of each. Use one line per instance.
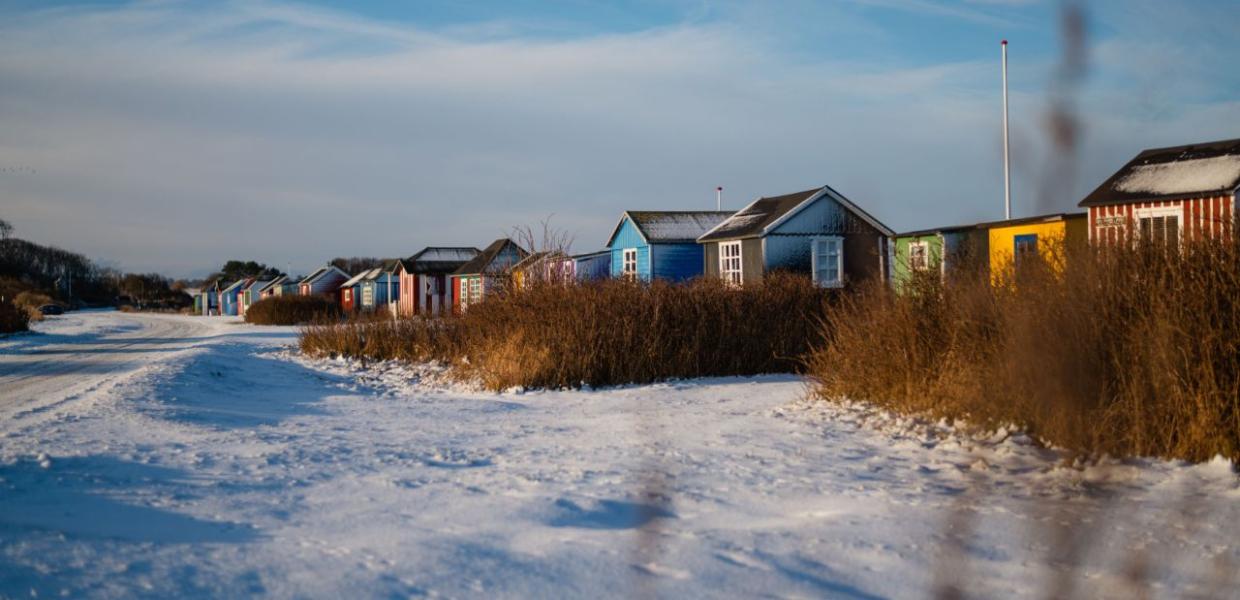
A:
(738, 222)
(447, 254)
(665, 226)
(1183, 177)
(160, 456)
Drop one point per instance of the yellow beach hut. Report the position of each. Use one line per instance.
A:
(1044, 236)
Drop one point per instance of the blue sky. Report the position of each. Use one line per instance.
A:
(172, 136)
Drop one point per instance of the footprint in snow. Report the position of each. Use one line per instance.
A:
(456, 459)
(608, 514)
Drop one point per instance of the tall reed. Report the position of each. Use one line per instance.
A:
(1125, 350)
(603, 333)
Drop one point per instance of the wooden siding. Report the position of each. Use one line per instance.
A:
(753, 265)
(1052, 235)
(901, 271)
(376, 292)
(676, 262)
(788, 246)
(629, 237)
(326, 285)
(593, 268)
(1209, 217)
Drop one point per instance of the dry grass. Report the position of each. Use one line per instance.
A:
(291, 310)
(1126, 352)
(13, 318)
(608, 333)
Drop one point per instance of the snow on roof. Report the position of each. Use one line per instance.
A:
(447, 254)
(1178, 172)
(356, 279)
(1216, 173)
(676, 226)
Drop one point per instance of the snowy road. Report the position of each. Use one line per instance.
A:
(153, 456)
(37, 374)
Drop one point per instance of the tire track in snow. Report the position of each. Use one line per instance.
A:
(40, 378)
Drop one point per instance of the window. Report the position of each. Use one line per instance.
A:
(629, 265)
(918, 256)
(730, 262)
(1159, 225)
(827, 256)
(464, 293)
(368, 296)
(1025, 247)
(475, 290)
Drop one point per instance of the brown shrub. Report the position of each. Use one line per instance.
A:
(1127, 351)
(291, 310)
(606, 333)
(13, 318)
(31, 299)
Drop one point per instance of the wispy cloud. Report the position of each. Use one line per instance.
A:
(173, 136)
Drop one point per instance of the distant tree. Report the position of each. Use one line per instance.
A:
(237, 269)
(356, 264)
(6, 229)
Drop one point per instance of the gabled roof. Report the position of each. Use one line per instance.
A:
(321, 271)
(535, 258)
(670, 226)
(273, 283)
(356, 279)
(765, 214)
(236, 285)
(1173, 173)
(257, 285)
(483, 262)
(438, 259)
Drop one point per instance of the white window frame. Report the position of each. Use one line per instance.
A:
(924, 246)
(731, 265)
(626, 263)
(1160, 211)
(463, 284)
(475, 290)
(839, 260)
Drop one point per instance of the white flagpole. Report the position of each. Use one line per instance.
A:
(1007, 167)
(719, 198)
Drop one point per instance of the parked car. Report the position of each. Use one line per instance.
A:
(51, 309)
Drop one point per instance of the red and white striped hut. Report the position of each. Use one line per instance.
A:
(1168, 195)
(424, 279)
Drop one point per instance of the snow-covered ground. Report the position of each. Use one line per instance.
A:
(160, 456)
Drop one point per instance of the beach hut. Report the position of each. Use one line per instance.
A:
(947, 251)
(230, 297)
(324, 281)
(209, 299)
(481, 275)
(424, 278)
(279, 286)
(350, 289)
(817, 232)
(592, 266)
(249, 295)
(1168, 195)
(375, 287)
(545, 267)
(1045, 237)
(646, 245)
